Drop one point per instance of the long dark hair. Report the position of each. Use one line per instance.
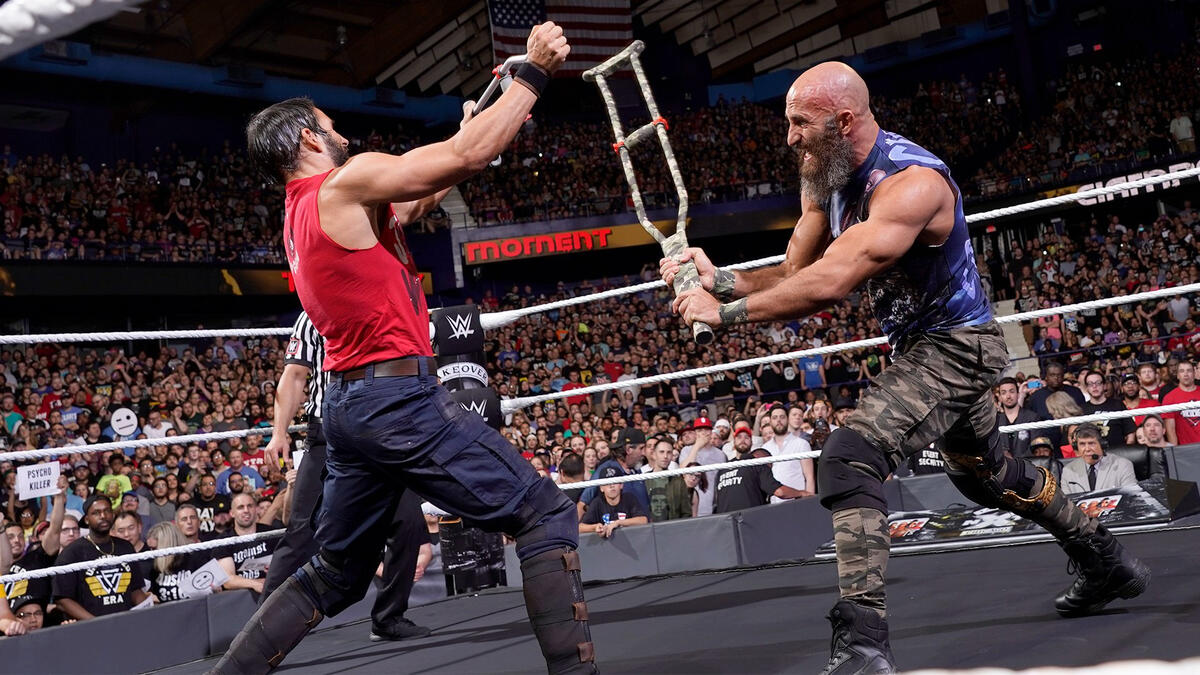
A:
(703, 477)
(273, 136)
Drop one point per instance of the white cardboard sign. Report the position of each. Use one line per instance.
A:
(201, 581)
(38, 480)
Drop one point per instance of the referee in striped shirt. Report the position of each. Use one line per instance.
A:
(305, 355)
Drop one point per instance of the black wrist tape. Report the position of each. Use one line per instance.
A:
(533, 77)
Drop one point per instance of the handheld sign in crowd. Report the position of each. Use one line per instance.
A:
(37, 480)
(202, 581)
(124, 421)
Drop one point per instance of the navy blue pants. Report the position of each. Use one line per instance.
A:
(389, 434)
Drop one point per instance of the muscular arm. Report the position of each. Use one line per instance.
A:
(902, 207)
(809, 240)
(410, 212)
(50, 543)
(374, 178)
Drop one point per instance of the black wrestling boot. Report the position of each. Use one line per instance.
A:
(283, 619)
(860, 642)
(402, 629)
(1104, 572)
(554, 600)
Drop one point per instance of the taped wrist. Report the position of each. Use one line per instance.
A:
(533, 77)
(723, 285)
(734, 312)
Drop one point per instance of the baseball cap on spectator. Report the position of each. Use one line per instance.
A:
(629, 435)
(843, 404)
(721, 423)
(702, 422)
(743, 427)
(22, 601)
(1041, 441)
(78, 463)
(1129, 377)
(610, 472)
(87, 504)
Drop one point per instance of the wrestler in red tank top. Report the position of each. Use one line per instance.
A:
(368, 304)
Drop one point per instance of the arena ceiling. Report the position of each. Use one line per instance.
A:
(444, 46)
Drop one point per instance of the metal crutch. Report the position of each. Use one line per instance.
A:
(673, 245)
(503, 80)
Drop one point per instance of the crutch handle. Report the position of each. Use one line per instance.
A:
(635, 47)
(687, 278)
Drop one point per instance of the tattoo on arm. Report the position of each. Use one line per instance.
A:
(723, 285)
(734, 312)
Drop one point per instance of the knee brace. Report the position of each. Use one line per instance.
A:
(547, 519)
(851, 472)
(988, 477)
(284, 618)
(332, 583)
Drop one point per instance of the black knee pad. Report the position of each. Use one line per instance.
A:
(335, 584)
(548, 520)
(988, 477)
(851, 472)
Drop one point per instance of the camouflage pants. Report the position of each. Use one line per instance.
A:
(940, 385)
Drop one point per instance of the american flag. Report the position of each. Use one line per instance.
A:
(596, 29)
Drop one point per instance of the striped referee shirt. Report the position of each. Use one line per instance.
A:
(307, 348)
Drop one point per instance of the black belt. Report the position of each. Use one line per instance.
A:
(406, 367)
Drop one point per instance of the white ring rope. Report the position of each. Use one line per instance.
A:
(148, 554)
(492, 320)
(186, 439)
(1101, 416)
(514, 404)
(705, 468)
(631, 478)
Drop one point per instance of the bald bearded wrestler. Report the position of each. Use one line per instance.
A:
(879, 210)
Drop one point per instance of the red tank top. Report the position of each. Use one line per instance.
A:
(368, 304)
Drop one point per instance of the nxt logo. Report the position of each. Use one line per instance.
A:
(111, 581)
(460, 326)
(477, 407)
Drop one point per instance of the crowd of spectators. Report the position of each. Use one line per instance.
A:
(1101, 117)
(128, 500)
(1104, 117)
(54, 396)
(176, 207)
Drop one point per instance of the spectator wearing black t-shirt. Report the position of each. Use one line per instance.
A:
(244, 563)
(612, 509)
(748, 486)
(208, 504)
(105, 588)
(27, 555)
(1118, 431)
(1010, 411)
(170, 572)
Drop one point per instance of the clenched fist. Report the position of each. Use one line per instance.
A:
(547, 46)
(669, 267)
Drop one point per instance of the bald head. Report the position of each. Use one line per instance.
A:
(830, 126)
(831, 87)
